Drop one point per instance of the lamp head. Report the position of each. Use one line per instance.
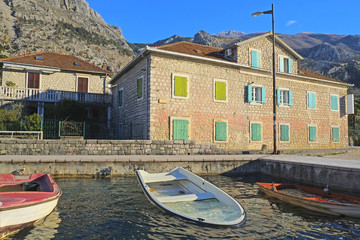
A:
(255, 14)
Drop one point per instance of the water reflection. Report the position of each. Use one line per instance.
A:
(117, 209)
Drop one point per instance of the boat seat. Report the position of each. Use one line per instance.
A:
(187, 197)
(160, 177)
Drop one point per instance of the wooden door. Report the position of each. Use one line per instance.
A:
(33, 80)
(82, 85)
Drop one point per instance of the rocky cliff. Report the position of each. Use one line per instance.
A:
(67, 26)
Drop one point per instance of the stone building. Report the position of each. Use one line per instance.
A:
(45, 78)
(187, 91)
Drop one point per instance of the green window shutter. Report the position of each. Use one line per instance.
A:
(335, 134)
(284, 132)
(334, 103)
(120, 97)
(220, 131)
(180, 129)
(256, 132)
(312, 133)
(311, 100)
(249, 93)
(263, 95)
(180, 86)
(290, 68)
(278, 96)
(290, 98)
(281, 64)
(255, 58)
(220, 90)
(139, 88)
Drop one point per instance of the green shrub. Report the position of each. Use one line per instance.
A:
(32, 122)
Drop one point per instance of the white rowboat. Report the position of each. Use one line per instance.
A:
(189, 196)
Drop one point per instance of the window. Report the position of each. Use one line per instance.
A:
(180, 129)
(312, 133)
(285, 64)
(83, 84)
(335, 134)
(334, 102)
(140, 87)
(40, 58)
(256, 132)
(180, 86)
(220, 131)
(121, 97)
(284, 132)
(284, 97)
(255, 58)
(220, 90)
(33, 80)
(311, 100)
(256, 94)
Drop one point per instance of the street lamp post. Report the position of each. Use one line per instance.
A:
(274, 73)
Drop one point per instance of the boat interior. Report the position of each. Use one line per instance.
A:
(19, 183)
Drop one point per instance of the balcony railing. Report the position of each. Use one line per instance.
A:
(37, 95)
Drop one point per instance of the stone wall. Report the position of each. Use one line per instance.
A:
(104, 147)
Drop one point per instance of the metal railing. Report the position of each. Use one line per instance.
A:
(39, 133)
(33, 94)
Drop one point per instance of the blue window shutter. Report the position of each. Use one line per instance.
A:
(334, 103)
(290, 98)
(335, 134)
(263, 95)
(249, 93)
(278, 96)
(290, 68)
(255, 58)
(281, 64)
(180, 129)
(256, 132)
(311, 100)
(312, 133)
(220, 131)
(284, 132)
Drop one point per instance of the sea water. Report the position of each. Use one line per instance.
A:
(116, 208)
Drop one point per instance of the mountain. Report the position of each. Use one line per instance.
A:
(66, 26)
(336, 56)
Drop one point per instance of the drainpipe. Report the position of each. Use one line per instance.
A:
(147, 102)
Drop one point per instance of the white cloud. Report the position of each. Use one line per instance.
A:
(290, 23)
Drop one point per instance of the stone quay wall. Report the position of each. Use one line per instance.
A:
(107, 147)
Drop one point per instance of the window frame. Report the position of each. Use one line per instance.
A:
(332, 134)
(261, 132)
(281, 103)
(250, 57)
(171, 134)
(122, 99)
(253, 95)
(285, 124)
(227, 130)
(307, 100)
(173, 75)
(214, 90)
(142, 88)
(289, 61)
(27, 78)
(308, 135)
(338, 103)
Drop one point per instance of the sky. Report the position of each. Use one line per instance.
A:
(147, 21)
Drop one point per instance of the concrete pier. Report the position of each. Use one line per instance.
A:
(338, 173)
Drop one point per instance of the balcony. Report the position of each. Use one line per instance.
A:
(37, 95)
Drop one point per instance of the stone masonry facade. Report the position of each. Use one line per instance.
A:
(157, 110)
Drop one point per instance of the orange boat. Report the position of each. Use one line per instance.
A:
(25, 199)
(314, 199)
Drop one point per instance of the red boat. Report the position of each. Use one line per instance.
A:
(25, 199)
(314, 199)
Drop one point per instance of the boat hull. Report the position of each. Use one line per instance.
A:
(12, 220)
(183, 193)
(325, 203)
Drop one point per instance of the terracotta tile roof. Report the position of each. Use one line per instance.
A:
(57, 60)
(194, 49)
(307, 73)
